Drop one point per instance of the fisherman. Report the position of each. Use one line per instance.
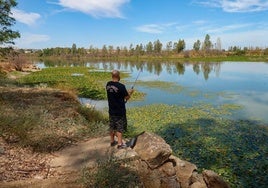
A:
(117, 95)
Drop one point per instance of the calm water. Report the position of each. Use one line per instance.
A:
(242, 83)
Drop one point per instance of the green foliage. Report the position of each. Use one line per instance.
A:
(197, 45)
(6, 21)
(180, 46)
(207, 45)
(204, 135)
(158, 46)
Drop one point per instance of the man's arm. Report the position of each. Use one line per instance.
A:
(129, 94)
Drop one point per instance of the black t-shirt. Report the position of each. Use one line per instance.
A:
(116, 93)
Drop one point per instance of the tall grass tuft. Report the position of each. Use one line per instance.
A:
(110, 173)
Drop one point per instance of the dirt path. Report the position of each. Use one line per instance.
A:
(81, 154)
(68, 163)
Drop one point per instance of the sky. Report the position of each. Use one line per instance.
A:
(62, 23)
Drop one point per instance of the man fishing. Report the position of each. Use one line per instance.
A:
(117, 97)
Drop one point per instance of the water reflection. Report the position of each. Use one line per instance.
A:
(156, 68)
(215, 83)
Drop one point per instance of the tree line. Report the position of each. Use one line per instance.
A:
(155, 48)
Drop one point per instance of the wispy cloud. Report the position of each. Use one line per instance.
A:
(156, 28)
(28, 39)
(226, 28)
(96, 8)
(237, 5)
(151, 28)
(24, 17)
(200, 22)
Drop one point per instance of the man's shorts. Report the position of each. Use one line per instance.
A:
(118, 123)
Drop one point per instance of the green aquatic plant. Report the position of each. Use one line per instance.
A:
(207, 136)
(171, 87)
(85, 82)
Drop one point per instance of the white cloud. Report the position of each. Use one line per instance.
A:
(237, 5)
(96, 8)
(151, 28)
(29, 39)
(24, 17)
(227, 28)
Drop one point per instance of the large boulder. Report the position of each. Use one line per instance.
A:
(152, 149)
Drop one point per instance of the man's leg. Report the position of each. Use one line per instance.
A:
(119, 138)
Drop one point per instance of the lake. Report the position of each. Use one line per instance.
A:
(211, 114)
(174, 83)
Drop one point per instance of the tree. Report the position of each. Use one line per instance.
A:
(207, 45)
(74, 48)
(180, 46)
(6, 21)
(157, 46)
(149, 47)
(197, 45)
(169, 46)
(104, 51)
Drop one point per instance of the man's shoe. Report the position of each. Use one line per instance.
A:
(122, 146)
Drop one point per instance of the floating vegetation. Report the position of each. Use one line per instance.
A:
(204, 135)
(82, 80)
(171, 87)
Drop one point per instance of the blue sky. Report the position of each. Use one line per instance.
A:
(61, 23)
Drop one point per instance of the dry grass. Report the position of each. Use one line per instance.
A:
(44, 119)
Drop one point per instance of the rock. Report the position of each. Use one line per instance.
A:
(2, 151)
(152, 149)
(197, 181)
(184, 171)
(198, 185)
(126, 155)
(213, 180)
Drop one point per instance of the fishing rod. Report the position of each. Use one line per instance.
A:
(132, 87)
(136, 80)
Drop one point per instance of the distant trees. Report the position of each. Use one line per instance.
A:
(155, 48)
(7, 35)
